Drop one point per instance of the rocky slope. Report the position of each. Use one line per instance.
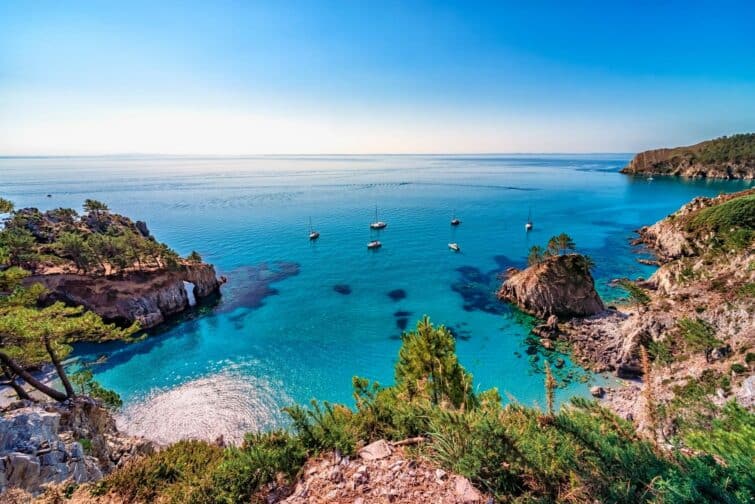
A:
(381, 473)
(724, 158)
(147, 297)
(706, 277)
(558, 285)
(50, 444)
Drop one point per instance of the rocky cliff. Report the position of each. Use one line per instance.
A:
(559, 285)
(49, 444)
(147, 297)
(723, 158)
(706, 277)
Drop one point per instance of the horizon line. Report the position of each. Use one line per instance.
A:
(322, 154)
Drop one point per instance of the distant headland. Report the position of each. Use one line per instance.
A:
(722, 158)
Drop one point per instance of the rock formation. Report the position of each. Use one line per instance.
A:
(707, 251)
(148, 297)
(558, 285)
(723, 158)
(381, 473)
(56, 443)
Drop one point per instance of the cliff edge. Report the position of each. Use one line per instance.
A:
(723, 158)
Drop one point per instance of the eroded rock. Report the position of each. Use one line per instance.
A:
(559, 286)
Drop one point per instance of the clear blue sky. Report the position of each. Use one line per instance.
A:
(233, 77)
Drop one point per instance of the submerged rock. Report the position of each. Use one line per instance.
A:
(559, 285)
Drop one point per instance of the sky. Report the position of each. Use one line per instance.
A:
(306, 77)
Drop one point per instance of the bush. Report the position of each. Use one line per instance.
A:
(259, 461)
(738, 368)
(180, 473)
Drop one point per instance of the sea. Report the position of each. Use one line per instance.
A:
(298, 319)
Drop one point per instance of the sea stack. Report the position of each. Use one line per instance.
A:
(559, 285)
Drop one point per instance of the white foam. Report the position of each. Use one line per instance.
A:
(222, 404)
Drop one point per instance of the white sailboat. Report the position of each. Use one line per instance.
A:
(313, 235)
(378, 224)
(528, 226)
(455, 221)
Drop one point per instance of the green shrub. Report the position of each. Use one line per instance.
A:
(180, 473)
(738, 368)
(698, 335)
(259, 461)
(737, 212)
(660, 351)
(87, 385)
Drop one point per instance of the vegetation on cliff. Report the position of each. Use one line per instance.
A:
(724, 157)
(583, 453)
(33, 334)
(97, 242)
(556, 282)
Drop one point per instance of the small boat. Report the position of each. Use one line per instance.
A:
(650, 178)
(528, 226)
(455, 247)
(455, 221)
(313, 235)
(378, 224)
(374, 244)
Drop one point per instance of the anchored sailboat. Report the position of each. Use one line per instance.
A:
(378, 224)
(528, 226)
(455, 221)
(313, 235)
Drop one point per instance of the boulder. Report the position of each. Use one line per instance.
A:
(559, 286)
(597, 391)
(375, 451)
(465, 492)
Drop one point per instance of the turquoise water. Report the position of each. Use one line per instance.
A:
(281, 333)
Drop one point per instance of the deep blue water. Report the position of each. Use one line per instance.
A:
(297, 320)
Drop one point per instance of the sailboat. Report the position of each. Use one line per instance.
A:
(528, 226)
(455, 221)
(313, 235)
(378, 224)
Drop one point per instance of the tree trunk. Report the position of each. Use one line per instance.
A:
(20, 392)
(59, 368)
(29, 378)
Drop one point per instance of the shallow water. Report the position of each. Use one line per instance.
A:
(298, 319)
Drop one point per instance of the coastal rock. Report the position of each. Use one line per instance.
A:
(560, 286)
(40, 444)
(703, 160)
(148, 298)
(395, 478)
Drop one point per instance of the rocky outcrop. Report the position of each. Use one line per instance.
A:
(559, 285)
(699, 280)
(672, 238)
(388, 477)
(50, 444)
(724, 158)
(147, 298)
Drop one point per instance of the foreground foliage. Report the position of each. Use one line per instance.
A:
(583, 453)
